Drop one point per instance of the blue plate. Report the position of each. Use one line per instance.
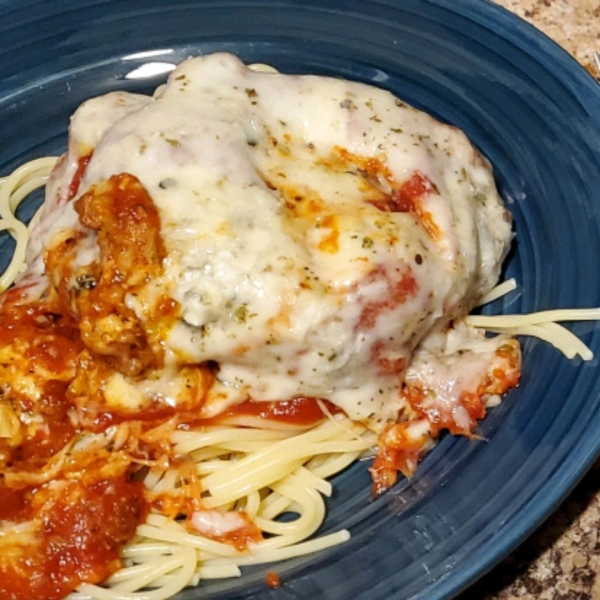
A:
(527, 105)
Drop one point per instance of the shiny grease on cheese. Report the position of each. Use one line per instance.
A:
(291, 271)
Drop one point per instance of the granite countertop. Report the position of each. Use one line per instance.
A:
(561, 561)
(574, 24)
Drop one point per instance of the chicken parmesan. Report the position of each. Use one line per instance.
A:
(225, 280)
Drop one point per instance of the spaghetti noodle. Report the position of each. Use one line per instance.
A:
(264, 474)
(13, 190)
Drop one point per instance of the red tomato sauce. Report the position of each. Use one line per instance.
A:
(298, 411)
(43, 347)
(15, 504)
(409, 198)
(272, 580)
(400, 287)
(397, 451)
(79, 536)
(244, 537)
(79, 173)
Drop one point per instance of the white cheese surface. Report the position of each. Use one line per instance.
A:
(288, 274)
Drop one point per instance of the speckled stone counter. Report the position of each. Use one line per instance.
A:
(574, 24)
(561, 561)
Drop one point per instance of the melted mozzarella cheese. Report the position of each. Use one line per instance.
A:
(448, 365)
(290, 271)
(216, 524)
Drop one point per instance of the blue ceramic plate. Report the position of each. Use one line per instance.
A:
(528, 106)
